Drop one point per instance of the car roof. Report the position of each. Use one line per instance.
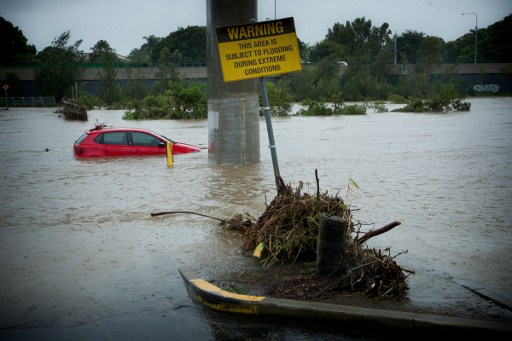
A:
(98, 130)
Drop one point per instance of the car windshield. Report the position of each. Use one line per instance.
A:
(168, 139)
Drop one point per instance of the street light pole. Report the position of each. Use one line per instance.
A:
(395, 48)
(476, 30)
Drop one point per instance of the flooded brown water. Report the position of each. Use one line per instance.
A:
(79, 247)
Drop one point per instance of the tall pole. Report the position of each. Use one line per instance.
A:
(395, 48)
(270, 131)
(476, 30)
(6, 87)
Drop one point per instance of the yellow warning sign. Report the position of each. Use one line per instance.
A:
(258, 49)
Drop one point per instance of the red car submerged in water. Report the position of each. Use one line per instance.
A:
(104, 141)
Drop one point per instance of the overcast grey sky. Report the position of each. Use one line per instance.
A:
(124, 24)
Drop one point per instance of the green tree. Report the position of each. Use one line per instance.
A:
(190, 42)
(369, 50)
(358, 38)
(494, 42)
(300, 85)
(15, 50)
(342, 35)
(429, 53)
(317, 82)
(100, 50)
(59, 66)
(143, 54)
(360, 85)
(279, 100)
(327, 80)
(102, 53)
(407, 45)
(304, 51)
(493, 45)
(328, 49)
(135, 88)
(167, 68)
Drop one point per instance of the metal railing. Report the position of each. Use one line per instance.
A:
(116, 65)
(137, 65)
(28, 102)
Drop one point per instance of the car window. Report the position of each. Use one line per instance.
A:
(81, 138)
(143, 139)
(117, 137)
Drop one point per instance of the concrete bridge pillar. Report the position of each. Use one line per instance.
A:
(233, 108)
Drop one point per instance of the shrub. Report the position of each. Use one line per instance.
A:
(315, 108)
(89, 101)
(179, 101)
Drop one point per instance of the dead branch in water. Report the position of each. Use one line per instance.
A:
(186, 212)
(374, 233)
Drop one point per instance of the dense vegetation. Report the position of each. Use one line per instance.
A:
(369, 51)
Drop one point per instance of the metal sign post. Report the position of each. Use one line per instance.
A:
(270, 131)
(6, 87)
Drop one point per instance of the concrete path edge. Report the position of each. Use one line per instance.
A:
(217, 299)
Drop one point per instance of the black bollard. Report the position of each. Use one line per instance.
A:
(331, 245)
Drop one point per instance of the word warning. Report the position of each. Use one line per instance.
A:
(258, 49)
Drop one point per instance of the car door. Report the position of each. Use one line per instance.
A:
(114, 144)
(147, 144)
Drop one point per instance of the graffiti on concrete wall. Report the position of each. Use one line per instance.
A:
(494, 88)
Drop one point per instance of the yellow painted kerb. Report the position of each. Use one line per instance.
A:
(206, 286)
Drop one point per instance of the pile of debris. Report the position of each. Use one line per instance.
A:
(286, 236)
(72, 110)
